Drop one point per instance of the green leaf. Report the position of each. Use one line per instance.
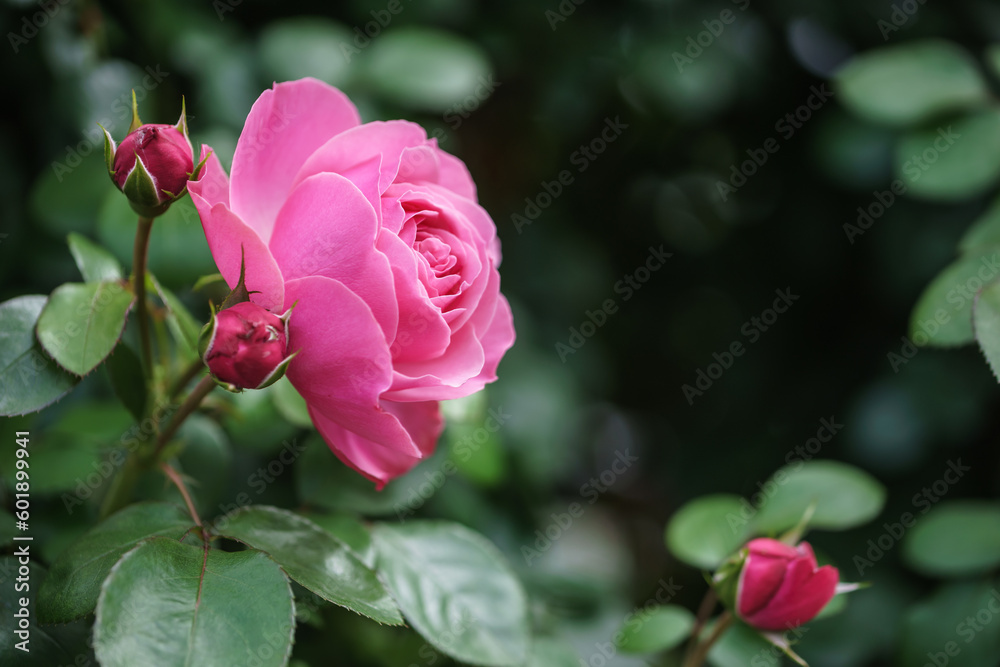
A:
(29, 379)
(74, 582)
(655, 630)
(456, 590)
(183, 327)
(48, 646)
(290, 403)
(70, 454)
(845, 497)
(551, 653)
(127, 380)
(986, 324)
(954, 161)
(707, 530)
(426, 69)
(984, 232)
(955, 539)
(948, 628)
(95, 263)
(82, 323)
(313, 558)
(742, 646)
(306, 46)
(910, 83)
(943, 314)
(174, 605)
(351, 531)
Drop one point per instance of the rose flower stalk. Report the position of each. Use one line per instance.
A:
(376, 236)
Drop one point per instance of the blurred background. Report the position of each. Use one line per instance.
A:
(603, 137)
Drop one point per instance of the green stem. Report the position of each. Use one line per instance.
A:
(697, 658)
(704, 612)
(179, 483)
(190, 404)
(122, 487)
(120, 492)
(139, 252)
(191, 372)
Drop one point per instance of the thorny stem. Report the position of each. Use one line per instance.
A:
(139, 252)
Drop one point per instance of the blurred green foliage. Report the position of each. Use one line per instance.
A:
(523, 97)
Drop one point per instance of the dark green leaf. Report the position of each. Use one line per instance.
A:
(183, 327)
(655, 630)
(844, 497)
(955, 539)
(949, 628)
(313, 558)
(29, 379)
(426, 69)
(95, 263)
(986, 324)
(82, 323)
(349, 530)
(984, 232)
(456, 590)
(707, 530)
(174, 605)
(909, 83)
(954, 161)
(46, 646)
(127, 380)
(73, 585)
(943, 314)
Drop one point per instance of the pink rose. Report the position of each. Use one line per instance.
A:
(377, 235)
(781, 586)
(165, 153)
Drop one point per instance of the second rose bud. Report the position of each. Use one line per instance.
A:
(246, 346)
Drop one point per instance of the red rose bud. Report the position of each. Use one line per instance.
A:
(152, 164)
(245, 346)
(781, 586)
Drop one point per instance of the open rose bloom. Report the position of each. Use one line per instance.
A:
(376, 236)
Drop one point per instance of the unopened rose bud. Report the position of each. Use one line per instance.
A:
(245, 346)
(777, 586)
(152, 164)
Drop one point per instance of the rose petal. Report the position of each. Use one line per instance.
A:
(213, 183)
(803, 594)
(328, 228)
(420, 424)
(379, 139)
(232, 242)
(284, 127)
(454, 175)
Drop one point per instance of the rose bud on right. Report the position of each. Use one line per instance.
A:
(245, 346)
(777, 586)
